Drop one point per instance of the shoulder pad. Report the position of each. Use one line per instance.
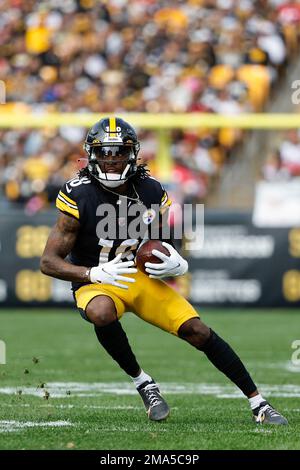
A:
(68, 197)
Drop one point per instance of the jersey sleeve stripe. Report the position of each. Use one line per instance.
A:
(165, 201)
(168, 203)
(67, 198)
(74, 206)
(165, 206)
(61, 205)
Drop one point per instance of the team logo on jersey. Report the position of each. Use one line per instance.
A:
(149, 216)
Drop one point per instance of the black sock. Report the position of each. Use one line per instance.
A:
(222, 356)
(114, 340)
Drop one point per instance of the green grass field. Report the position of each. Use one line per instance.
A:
(92, 404)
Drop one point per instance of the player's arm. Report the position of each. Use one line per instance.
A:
(60, 243)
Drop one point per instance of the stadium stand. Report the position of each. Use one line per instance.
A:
(220, 56)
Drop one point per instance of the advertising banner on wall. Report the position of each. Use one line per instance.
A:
(22, 241)
(239, 264)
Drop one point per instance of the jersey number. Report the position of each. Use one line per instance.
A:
(77, 182)
(127, 247)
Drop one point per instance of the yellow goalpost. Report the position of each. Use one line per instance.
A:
(160, 123)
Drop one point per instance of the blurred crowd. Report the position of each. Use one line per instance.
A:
(283, 161)
(220, 56)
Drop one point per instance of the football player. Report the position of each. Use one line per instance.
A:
(104, 278)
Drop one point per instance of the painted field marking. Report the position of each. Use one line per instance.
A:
(2, 348)
(13, 426)
(82, 389)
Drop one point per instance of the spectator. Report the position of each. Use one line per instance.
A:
(273, 169)
(150, 56)
(289, 152)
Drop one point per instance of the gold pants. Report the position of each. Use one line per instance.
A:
(150, 299)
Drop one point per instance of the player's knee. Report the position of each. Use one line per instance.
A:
(195, 332)
(101, 311)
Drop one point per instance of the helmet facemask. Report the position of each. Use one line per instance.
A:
(112, 164)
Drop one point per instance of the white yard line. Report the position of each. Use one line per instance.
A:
(59, 406)
(277, 365)
(82, 389)
(289, 366)
(13, 426)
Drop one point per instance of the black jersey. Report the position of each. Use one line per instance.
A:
(108, 221)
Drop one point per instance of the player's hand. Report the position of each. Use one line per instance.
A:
(111, 272)
(173, 265)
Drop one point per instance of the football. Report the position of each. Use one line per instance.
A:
(145, 255)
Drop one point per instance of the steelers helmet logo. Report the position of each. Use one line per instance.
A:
(149, 216)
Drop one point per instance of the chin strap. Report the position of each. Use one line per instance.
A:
(112, 184)
(110, 180)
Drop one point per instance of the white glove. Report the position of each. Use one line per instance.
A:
(173, 265)
(109, 273)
